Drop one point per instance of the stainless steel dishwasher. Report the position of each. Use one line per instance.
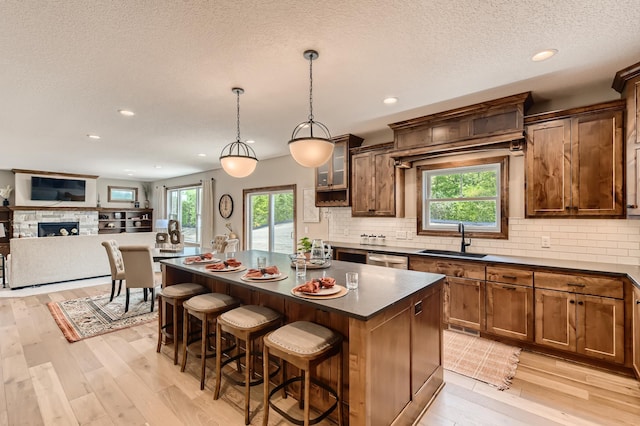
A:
(388, 260)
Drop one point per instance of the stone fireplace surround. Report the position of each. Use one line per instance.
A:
(25, 222)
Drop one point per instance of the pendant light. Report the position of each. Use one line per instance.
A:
(312, 150)
(237, 158)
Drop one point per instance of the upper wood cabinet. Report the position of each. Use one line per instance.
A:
(627, 82)
(377, 186)
(496, 122)
(575, 161)
(333, 177)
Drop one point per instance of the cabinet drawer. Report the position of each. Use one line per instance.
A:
(510, 275)
(447, 267)
(581, 284)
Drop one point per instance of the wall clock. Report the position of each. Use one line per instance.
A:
(225, 206)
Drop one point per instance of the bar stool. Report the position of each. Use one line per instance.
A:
(304, 345)
(246, 323)
(174, 295)
(205, 307)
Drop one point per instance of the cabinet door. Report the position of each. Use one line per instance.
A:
(600, 327)
(636, 331)
(597, 164)
(548, 174)
(555, 319)
(426, 334)
(322, 176)
(384, 185)
(363, 188)
(464, 303)
(510, 311)
(339, 166)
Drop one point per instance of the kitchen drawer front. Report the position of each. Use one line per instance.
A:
(510, 276)
(447, 267)
(581, 284)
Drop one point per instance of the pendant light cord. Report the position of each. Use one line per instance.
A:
(311, 89)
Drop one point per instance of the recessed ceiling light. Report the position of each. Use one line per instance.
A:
(158, 166)
(543, 55)
(126, 112)
(129, 174)
(251, 141)
(390, 100)
(202, 155)
(128, 170)
(90, 136)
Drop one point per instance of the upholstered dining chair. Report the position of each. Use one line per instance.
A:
(219, 243)
(116, 264)
(139, 273)
(232, 245)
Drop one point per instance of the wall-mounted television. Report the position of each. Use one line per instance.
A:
(57, 189)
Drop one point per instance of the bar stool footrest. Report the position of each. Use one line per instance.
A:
(293, 420)
(241, 382)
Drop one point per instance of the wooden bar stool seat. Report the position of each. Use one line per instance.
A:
(174, 295)
(304, 345)
(205, 307)
(247, 323)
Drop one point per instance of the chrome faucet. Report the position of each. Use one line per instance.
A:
(463, 244)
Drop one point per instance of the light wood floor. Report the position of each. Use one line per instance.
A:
(118, 378)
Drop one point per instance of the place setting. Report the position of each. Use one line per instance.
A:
(229, 265)
(202, 259)
(320, 288)
(263, 273)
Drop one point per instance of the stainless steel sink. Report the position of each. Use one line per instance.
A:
(452, 253)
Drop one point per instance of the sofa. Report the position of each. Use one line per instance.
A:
(35, 261)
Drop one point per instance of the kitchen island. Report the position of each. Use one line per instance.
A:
(391, 325)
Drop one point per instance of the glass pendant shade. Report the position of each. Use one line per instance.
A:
(237, 158)
(311, 150)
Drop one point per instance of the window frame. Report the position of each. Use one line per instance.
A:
(502, 162)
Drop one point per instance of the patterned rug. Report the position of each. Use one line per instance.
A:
(491, 362)
(91, 316)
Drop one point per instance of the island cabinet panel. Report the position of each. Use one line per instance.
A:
(636, 331)
(510, 302)
(581, 313)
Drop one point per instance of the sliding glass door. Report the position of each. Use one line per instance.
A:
(184, 205)
(270, 218)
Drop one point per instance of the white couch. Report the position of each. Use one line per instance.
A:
(35, 261)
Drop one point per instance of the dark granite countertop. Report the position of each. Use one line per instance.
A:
(630, 271)
(379, 287)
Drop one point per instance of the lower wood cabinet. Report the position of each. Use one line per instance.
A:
(636, 331)
(464, 289)
(580, 313)
(509, 306)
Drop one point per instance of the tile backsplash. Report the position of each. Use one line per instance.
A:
(592, 240)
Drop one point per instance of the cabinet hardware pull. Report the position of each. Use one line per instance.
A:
(580, 303)
(576, 285)
(508, 287)
(511, 277)
(572, 301)
(637, 302)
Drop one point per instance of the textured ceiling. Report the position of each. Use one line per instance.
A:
(66, 67)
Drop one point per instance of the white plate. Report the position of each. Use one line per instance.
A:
(324, 291)
(200, 262)
(264, 277)
(226, 269)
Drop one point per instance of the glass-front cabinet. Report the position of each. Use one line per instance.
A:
(332, 178)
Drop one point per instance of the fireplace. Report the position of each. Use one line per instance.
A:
(53, 229)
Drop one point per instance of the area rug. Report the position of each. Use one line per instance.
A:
(91, 316)
(481, 359)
